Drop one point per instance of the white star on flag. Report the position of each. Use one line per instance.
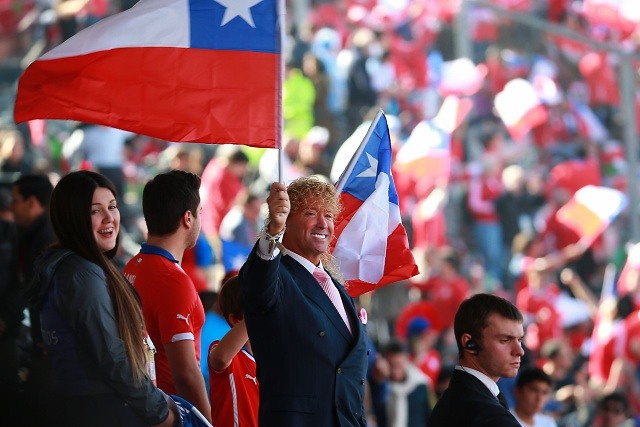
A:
(238, 8)
(372, 170)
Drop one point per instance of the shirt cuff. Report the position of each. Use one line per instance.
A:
(267, 248)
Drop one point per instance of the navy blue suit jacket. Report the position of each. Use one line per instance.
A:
(467, 402)
(311, 370)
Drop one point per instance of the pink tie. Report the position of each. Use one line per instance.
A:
(329, 288)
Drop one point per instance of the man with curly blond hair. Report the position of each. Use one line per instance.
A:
(309, 345)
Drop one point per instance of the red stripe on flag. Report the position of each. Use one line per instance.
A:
(350, 206)
(399, 265)
(232, 90)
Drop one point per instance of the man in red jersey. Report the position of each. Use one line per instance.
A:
(172, 309)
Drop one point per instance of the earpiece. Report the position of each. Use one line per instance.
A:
(472, 346)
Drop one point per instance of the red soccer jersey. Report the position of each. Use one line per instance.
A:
(170, 304)
(233, 392)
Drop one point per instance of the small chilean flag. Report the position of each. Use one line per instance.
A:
(591, 210)
(371, 244)
(520, 109)
(427, 151)
(180, 70)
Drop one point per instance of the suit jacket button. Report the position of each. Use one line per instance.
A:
(362, 381)
(339, 370)
(322, 333)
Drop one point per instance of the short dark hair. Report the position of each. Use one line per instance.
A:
(36, 185)
(395, 346)
(615, 397)
(167, 197)
(471, 317)
(530, 374)
(229, 299)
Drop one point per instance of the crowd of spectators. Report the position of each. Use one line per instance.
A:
(487, 223)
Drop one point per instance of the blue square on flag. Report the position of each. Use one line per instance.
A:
(247, 25)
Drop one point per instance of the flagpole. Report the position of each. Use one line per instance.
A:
(354, 159)
(280, 125)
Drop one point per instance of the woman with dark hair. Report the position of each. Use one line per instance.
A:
(91, 318)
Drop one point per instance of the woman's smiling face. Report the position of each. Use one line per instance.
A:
(105, 218)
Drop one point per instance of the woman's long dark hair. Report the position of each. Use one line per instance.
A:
(71, 218)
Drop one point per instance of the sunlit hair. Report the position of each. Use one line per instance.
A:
(70, 211)
(473, 314)
(308, 192)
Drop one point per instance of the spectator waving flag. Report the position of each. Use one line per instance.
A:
(371, 243)
(180, 70)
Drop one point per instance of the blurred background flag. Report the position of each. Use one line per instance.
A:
(234, 254)
(180, 70)
(519, 108)
(591, 209)
(371, 243)
(427, 151)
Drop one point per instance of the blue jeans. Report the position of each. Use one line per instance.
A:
(488, 236)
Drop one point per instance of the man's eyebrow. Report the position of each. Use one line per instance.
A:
(509, 336)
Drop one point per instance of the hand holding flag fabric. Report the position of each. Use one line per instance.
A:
(371, 244)
(180, 70)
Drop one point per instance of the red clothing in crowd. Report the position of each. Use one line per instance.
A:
(219, 189)
(601, 79)
(632, 337)
(233, 392)
(539, 307)
(574, 174)
(190, 267)
(483, 193)
(447, 295)
(607, 344)
(431, 365)
(171, 306)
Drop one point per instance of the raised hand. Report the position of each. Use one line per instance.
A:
(279, 207)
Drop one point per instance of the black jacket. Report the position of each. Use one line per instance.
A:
(467, 402)
(81, 335)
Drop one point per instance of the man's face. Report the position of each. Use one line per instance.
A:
(309, 231)
(21, 208)
(532, 397)
(500, 348)
(194, 232)
(397, 366)
(613, 414)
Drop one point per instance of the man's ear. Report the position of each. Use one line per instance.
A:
(187, 218)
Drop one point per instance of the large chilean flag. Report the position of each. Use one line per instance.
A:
(180, 70)
(371, 243)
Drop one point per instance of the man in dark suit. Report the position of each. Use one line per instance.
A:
(489, 332)
(311, 353)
